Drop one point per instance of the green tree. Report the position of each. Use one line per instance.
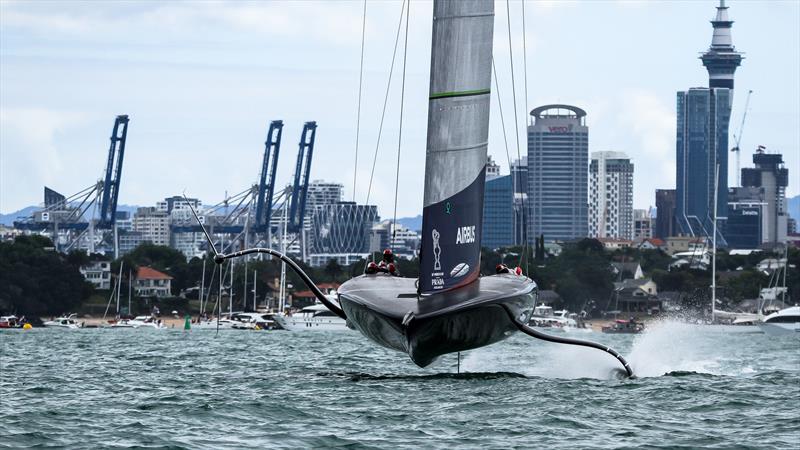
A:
(37, 281)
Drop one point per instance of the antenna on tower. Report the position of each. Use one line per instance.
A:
(738, 137)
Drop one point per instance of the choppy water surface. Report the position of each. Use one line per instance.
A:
(697, 386)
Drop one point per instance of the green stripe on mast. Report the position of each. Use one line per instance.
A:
(459, 93)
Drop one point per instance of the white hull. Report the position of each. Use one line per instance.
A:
(58, 325)
(300, 323)
(781, 329)
(212, 325)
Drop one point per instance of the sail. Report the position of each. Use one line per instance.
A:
(458, 129)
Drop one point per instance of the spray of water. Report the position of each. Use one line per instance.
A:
(670, 346)
(666, 346)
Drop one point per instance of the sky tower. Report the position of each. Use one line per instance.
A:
(721, 59)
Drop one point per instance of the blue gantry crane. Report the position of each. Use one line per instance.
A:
(302, 171)
(251, 210)
(266, 186)
(69, 214)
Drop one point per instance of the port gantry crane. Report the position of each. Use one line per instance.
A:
(247, 214)
(67, 216)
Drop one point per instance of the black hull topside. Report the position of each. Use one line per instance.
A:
(387, 310)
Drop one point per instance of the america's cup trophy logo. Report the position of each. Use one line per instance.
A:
(437, 265)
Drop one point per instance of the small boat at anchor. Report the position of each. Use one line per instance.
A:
(140, 322)
(69, 322)
(624, 327)
(785, 322)
(316, 317)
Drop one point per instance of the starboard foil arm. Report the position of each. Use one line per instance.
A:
(530, 331)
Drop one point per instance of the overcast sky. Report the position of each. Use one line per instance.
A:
(202, 80)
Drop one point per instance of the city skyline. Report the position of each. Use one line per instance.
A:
(200, 107)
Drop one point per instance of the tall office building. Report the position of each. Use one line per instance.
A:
(665, 214)
(702, 136)
(519, 173)
(341, 231)
(770, 178)
(558, 166)
(498, 212)
(746, 219)
(611, 196)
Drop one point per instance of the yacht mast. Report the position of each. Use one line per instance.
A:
(714, 251)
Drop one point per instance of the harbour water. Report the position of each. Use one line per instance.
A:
(696, 387)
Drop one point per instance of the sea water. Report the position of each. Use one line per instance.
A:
(696, 386)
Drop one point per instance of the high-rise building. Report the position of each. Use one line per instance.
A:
(323, 193)
(403, 242)
(771, 178)
(642, 225)
(153, 224)
(665, 214)
(519, 172)
(558, 166)
(702, 136)
(702, 148)
(611, 196)
(341, 231)
(498, 212)
(746, 219)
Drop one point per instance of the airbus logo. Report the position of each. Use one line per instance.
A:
(465, 235)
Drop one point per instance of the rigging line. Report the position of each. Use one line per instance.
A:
(400, 131)
(505, 137)
(525, 74)
(502, 119)
(385, 101)
(516, 117)
(360, 84)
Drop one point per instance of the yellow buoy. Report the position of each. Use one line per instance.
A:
(27, 326)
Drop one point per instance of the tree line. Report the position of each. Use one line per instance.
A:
(38, 281)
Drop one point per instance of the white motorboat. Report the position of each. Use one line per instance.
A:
(211, 324)
(64, 322)
(314, 317)
(782, 323)
(252, 321)
(544, 317)
(139, 322)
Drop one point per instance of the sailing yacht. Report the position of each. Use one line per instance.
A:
(450, 308)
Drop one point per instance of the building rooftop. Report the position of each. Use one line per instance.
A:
(148, 273)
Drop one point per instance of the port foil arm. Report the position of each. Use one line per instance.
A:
(219, 258)
(530, 331)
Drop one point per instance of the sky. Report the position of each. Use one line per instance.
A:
(202, 80)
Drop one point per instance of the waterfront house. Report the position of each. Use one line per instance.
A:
(98, 273)
(301, 299)
(626, 270)
(152, 283)
(637, 296)
(652, 244)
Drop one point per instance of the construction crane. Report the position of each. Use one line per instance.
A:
(68, 215)
(738, 138)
